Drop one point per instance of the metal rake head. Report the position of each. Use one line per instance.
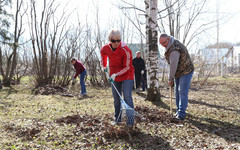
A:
(126, 115)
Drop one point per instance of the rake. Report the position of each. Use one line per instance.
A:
(126, 112)
(170, 91)
(71, 84)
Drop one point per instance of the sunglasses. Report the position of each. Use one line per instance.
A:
(114, 41)
(165, 41)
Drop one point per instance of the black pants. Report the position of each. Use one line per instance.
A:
(138, 78)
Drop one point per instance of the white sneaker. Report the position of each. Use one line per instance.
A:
(83, 95)
(114, 123)
(176, 114)
(137, 90)
(118, 123)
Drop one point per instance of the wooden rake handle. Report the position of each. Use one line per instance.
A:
(170, 91)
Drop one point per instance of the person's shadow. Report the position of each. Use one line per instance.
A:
(192, 101)
(226, 130)
(230, 132)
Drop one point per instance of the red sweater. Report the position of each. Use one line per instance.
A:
(79, 68)
(120, 61)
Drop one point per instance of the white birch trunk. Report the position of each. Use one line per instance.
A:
(152, 50)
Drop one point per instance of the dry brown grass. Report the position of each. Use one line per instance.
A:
(29, 121)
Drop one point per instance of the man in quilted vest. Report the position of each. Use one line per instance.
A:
(181, 69)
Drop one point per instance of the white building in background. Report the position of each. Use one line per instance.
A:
(233, 59)
(210, 57)
(162, 63)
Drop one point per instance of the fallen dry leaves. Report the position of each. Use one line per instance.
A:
(50, 121)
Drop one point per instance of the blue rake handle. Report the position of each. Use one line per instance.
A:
(121, 98)
(129, 110)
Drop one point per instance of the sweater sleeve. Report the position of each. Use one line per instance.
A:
(133, 62)
(143, 65)
(79, 68)
(103, 57)
(174, 59)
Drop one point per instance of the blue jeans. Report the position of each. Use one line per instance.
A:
(82, 83)
(182, 86)
(126, 87)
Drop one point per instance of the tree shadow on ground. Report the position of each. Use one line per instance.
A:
(226, 130)
(7, 92)
(3, 105)
(144, 95)
(204, 89)
(159, 103)
(192, 101)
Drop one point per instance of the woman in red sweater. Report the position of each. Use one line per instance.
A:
(121, 70)
(81, 72)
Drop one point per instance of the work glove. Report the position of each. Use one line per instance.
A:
(142, 72)
(73, 80)
(112, 78)
(105, 69)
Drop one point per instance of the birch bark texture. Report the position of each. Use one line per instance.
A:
(153, 92)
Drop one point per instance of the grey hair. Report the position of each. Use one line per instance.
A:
(73, 59)
(138, 52)
(114, 32)
(164, 35)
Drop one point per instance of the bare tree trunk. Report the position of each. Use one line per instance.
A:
(47, 43)
(152, 50)
(22, 67)
(12, 58)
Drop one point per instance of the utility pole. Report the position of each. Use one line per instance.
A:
(222, 58)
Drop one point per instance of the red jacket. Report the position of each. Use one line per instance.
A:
(79, 68)
(120, 61)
